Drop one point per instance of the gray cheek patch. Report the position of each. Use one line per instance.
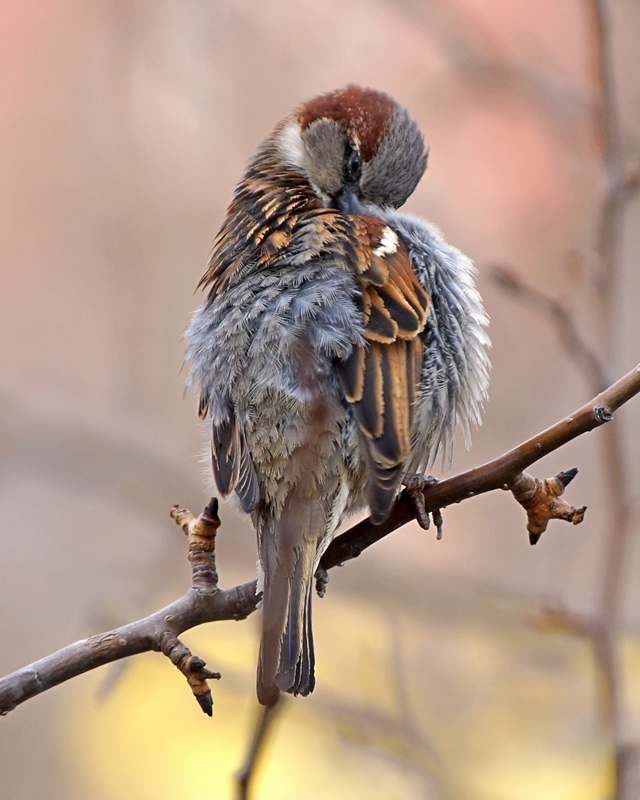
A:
(325, 143)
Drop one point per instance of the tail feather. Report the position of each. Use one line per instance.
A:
(289, 546)
(296, 673)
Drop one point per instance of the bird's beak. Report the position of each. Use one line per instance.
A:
(348, 202)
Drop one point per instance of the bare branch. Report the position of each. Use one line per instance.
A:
(201, 605)
(193, 609)
(497, 474)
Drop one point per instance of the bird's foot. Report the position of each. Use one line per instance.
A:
(322, 579)
(415, 485)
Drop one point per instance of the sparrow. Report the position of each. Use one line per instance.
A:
(340, 345)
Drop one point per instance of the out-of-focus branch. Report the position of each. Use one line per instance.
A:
(578, 350)
(263, 727)
(603, 80)
(623, 180)
(602, 626)
(205, 602)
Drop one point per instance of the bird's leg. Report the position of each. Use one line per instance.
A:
(415, 485)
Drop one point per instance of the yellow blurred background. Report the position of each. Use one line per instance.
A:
(124, 126)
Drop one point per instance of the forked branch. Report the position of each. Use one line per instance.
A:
(206, 602)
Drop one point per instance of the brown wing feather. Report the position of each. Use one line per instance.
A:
(267, 208)
(381, 327)
(224, 456)
(232, 465)
(381, 383)
(370, 410)
(352, 373)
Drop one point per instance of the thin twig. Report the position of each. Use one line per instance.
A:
(576, 347)
(263, 727)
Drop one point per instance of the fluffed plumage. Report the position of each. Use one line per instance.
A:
(340, 345)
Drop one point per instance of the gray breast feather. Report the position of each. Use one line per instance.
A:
(243, 343)
(455, 370)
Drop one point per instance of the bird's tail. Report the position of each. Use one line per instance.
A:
(289, 546)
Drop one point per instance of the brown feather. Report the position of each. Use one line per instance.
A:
(380, 327)
(260, 220)
(370, 410)
(203, 405)
(288, 547)
(408, 322)
(392, 446)
(381, 383)
(351, 373)
(231, 464)
(377, 273)
(224, 460)
(414, 367)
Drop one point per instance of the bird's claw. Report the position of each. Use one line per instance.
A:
(438, 522)
(415, 485)
(322, 579)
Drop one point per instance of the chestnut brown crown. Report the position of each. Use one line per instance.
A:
(352, 145)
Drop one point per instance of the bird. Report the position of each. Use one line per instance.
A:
(340, 345)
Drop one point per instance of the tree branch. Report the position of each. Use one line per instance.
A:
(192, 609)
(205, 602)
(497, 474)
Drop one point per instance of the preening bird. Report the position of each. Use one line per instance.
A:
(340, 345)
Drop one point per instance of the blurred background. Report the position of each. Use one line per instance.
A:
(124, 126)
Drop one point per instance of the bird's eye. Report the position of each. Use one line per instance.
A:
(354, 166)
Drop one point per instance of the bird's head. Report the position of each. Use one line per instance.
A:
(354, 146)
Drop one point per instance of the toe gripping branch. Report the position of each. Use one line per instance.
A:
(542, 502)
(415, 486)
(201, 535)
(322, 579)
